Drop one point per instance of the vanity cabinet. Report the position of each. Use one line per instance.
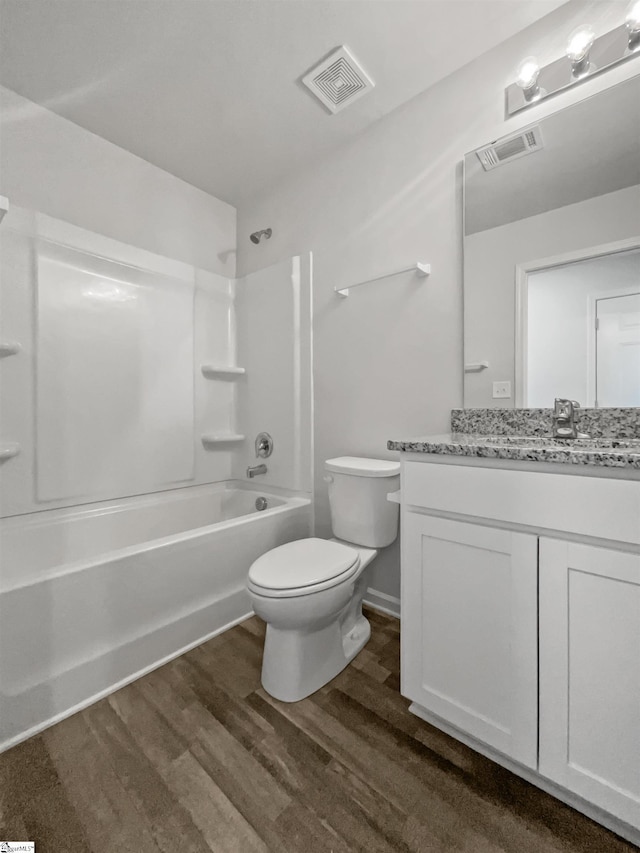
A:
(520, 632)
(472, 590)
(590, 673)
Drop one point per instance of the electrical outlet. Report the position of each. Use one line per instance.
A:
(501, 390)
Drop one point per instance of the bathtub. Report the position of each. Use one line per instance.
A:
(93, 597)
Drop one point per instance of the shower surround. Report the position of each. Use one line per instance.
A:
(130, 407)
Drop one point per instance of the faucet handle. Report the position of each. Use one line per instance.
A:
(264, 445)
(564, 421)
(563, 406)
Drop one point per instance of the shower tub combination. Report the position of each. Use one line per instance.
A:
(92, 598)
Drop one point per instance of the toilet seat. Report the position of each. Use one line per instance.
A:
(302, 568)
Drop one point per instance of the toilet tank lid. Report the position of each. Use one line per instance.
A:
(362, 467)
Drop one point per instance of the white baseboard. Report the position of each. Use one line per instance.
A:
(388, 604)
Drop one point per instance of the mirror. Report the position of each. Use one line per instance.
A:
(552, 259)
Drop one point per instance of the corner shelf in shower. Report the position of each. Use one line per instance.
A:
(8, 450)
(8, 349)
(220, 371)
(221, 438)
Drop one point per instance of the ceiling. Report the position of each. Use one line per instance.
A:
(589, 149)
(210, 90)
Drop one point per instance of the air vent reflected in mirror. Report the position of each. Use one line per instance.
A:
(498, 153)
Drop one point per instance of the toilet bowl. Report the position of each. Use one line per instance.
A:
(310, 592)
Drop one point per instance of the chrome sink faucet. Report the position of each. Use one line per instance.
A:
(564, 422)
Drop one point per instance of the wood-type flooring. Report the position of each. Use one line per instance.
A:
(196, 757)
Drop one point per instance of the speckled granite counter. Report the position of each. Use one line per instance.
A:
(597, 423)
(524, 435)
(605, 453)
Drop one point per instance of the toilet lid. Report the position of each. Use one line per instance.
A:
(361, 467)
(302, 563)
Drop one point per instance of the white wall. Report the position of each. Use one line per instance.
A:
(388, 360)
(273, 309)
(53, 166)
(490, 259)
(561, 343)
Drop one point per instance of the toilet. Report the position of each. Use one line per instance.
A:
(310, 592)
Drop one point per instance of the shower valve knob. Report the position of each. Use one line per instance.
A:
(264, 445)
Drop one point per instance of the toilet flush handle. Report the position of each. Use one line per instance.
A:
(328, 478)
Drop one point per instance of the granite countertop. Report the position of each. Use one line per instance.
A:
(601, 452)
(596, 423)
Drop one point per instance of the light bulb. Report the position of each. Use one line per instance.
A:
(632, 21)
(579, 44)
(528, 72)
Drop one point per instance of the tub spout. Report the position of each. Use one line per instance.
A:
(253, 471)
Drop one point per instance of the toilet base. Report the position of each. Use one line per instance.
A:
(297, 663)
(301, 654)
(357, 638)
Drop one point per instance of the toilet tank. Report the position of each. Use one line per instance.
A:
(358, 489)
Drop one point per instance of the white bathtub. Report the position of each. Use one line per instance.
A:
(92, 598)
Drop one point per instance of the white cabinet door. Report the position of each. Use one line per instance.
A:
(590, 674)
(469, 629)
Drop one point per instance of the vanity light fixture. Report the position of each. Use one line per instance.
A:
(585, 56)
(578, 46)
(527, 78)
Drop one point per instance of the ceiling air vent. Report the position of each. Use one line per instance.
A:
(505, 150)
(339, 80)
